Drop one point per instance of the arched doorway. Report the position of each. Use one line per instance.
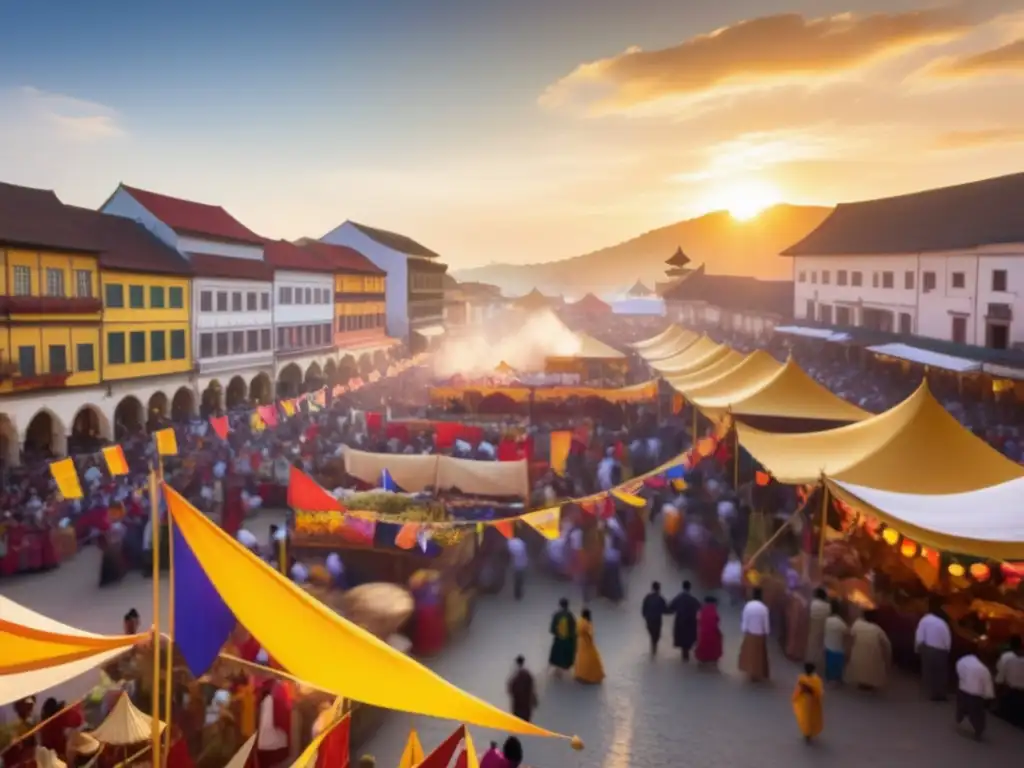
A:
(289, 381)
(331, 372)
(156, 413)
(183, 406)
(365, 365)
(260, 390)
(213, 399)
(314, 377)
(89, 430)
(380, 360)
(129, 417)
(9, 448)
(347, 369)
(45, 436)
(237, 392)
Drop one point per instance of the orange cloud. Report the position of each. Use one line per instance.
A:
(767, 50)
(1006, 58)
(981, 138)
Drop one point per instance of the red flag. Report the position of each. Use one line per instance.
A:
(269, 414)
(762, 478)
(508, 450)
(374, 421)
(220, 426)
(506, 528)
(441, 757)
(333, 751)
(304, 493)
(445, 434)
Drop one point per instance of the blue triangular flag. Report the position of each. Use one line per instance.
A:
(386, 482)
(676, 472)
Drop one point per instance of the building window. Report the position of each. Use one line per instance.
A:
(85, 358)
(802, 277)
(888, 280)
(316, 334)
(236, 301)
(843, 316)
(958, 280)
(997, 336)
(841, 277)
(264, 301)
(326, 331)
(115, 348)
(299, 296)
(826, 314)
(137, 346)
(309, 295)
(222, 301)
(27, 361)
(282, 338)
(253, 339)
(223, 350)
(157, 346)
(58, 358)
(265, 339)
(136, 297)
(177, 345)
(875, 281)
(856, 279)
(927, 281)
(250, 302)
(206, 301)
(959, 329)
(54, 282)
(826, 277)
(83, 283)
(205, 345)
(156, 297)
(906, 321)
(814, 278)
(810, 309)
(176, 297)
(237, 342)
(22, 281)
(999, 284)
(284, 295)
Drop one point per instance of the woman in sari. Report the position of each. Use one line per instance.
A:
(589, 668)
(807, 700)
(709, 633)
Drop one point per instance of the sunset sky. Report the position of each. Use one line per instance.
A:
(512, 130)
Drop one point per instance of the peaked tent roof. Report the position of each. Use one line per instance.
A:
(689, 363)
(724, 364)
(590, 303)
(125, 725)
(983, 212)
(188, 217)
(914, 447)
(789, 393)
(993, 528)
(594, 349)
(678, 259)
(533, 300)
(669, 334)
(755, 367)
(671, 347)
(686, 352)
(396, 242)
(639, 289)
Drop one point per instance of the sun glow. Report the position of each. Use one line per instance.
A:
(744, 200)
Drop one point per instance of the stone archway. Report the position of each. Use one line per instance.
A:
(380, 360)
(45, 436)
(314, 378)
(365, 365)
(260, 390)
(213, 399)
(331, 372)
(237, 392)
(10, 453)
(347, 369)
(156, 413)
(183, 406)
(129, 417)
(90, 428)
(289, 381)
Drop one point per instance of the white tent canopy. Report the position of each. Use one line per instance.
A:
(811, 333)
(924, 357)
(984, 523)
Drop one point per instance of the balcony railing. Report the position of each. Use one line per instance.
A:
(340, 298)
(49, 305)
(40, 380)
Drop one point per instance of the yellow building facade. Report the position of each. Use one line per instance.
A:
(359, 307)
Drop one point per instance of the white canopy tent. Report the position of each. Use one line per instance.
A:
(925, 357)
(822, 334)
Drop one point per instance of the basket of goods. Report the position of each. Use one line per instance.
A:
(379, 608)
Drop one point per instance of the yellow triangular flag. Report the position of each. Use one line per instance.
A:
(256, 422)
(116, 462)
(471, 759)
(412, 755)
(545, 521)
(66, 475)
(166, 442)
(629, 499)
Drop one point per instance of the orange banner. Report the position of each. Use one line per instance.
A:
(561, 442)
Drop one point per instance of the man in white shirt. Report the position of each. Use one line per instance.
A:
(756, 627)
(976, 690)
(1010, 679)
(933, 641)
(520, 561)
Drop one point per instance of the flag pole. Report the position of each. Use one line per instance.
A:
(154, 512)
(169, 674)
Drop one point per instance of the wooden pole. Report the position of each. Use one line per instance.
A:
(154, 504)
(169, 671)
(694, 430)
(824, 523)
(736, 465)
(282, 551)
(764, 547)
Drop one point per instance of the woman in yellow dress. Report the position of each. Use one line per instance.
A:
(588, 660)
(807, 703)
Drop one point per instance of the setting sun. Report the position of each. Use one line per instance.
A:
(745, 200)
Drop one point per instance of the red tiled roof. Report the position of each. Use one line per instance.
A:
(37, 217)
(341, 257)
(185, 216)
(208, 265)
(281, 254)
(129, 246)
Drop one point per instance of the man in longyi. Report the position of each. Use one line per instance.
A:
(756, 627)
(563, 647)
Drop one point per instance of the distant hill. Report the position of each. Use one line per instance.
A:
(725, 245)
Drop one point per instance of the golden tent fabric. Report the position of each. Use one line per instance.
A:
(669, 334)
(672, 347)
(671, 367)
(316, 644)
(634, 393)
(411, 473)
(694, 350)
(914, 447)
(681, 382)
(757, 367)
(789, 393)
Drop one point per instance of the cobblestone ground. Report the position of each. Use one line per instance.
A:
(648, 712)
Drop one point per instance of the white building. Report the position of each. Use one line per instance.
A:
(415, 288)
(946, 264)
(232, 312)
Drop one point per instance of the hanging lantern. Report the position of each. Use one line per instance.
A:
(908, 548)
(980, 572)
(956, 570)
(891, 536)
(931, 556)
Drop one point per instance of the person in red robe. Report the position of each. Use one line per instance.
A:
(709, 633)
(273, 726)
